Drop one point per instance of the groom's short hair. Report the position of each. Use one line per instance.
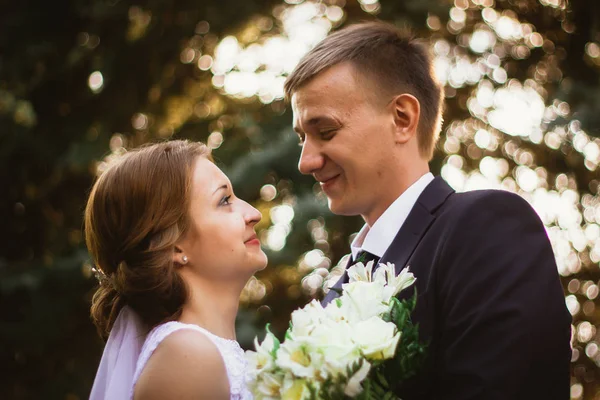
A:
(393, 61)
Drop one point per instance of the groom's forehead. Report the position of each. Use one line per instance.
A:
(310, 110)
(330, 81)
(321, 97)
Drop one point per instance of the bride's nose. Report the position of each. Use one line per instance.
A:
(251, 215)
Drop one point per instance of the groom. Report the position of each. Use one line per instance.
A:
(367, 110)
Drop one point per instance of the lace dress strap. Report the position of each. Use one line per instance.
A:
(230, 350)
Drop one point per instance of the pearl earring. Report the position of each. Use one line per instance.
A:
(184, 259)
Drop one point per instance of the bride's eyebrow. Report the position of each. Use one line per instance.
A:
(222, 187)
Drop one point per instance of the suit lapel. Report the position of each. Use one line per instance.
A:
(418, 221)
(408, 237)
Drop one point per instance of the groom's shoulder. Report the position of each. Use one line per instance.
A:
(489, 201)
(474, 197)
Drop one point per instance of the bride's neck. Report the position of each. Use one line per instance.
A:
(213, 307)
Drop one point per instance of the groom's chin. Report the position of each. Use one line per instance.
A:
(339, 207)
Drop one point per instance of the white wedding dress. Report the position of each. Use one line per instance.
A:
(232, 353)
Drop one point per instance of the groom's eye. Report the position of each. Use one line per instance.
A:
(329, 134)
(300, 140)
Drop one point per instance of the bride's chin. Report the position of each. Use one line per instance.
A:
(261, 262)
(265, 262)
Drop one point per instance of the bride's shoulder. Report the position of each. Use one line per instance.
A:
(185, 363)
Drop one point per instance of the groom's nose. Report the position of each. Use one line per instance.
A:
(311, 159)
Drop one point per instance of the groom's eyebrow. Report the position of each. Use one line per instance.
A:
(314, 121)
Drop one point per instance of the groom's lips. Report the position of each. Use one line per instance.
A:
(326, 184)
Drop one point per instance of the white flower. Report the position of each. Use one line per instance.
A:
(360, 272)
(380, 274)
(305, 319)
(262, 360)
(333, 340)
(386, 273)
(332, 349)
(376, 338)
(400, 282)
(294, 389)
(354, 388)
(365, 299)
(268, 386)
(296, 356)
(343, 309)
(335, 311)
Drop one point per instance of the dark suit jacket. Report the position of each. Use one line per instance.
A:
(490, 302)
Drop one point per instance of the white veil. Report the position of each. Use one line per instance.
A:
(114, 378)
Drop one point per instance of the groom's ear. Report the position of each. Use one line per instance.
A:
(406, 112)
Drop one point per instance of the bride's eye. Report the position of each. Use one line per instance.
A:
(225, 201)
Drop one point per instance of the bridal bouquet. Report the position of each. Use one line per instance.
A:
(358, 346)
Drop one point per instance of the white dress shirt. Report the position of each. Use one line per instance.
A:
(379, 237)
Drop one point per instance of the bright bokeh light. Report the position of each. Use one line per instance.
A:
(215, 139)
(254, 291)
(274, 238)
(96, 81)
(268, 192)
(259, 68)
(517, 111)
(482, 40)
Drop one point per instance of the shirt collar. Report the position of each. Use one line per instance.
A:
(379, 237)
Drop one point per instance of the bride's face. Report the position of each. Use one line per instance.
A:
(221, 242)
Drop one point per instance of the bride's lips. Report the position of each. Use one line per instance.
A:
(253, 241)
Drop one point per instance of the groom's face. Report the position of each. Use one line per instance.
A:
(346, 138)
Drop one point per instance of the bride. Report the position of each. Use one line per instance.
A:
(173, 248)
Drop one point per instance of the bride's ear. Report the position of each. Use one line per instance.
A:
(179, 257)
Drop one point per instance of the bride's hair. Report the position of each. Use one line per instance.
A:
(136, 212)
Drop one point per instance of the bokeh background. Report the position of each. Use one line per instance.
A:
(81, 81)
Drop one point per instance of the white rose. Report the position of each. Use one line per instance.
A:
(376, 338)
(365, 299)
